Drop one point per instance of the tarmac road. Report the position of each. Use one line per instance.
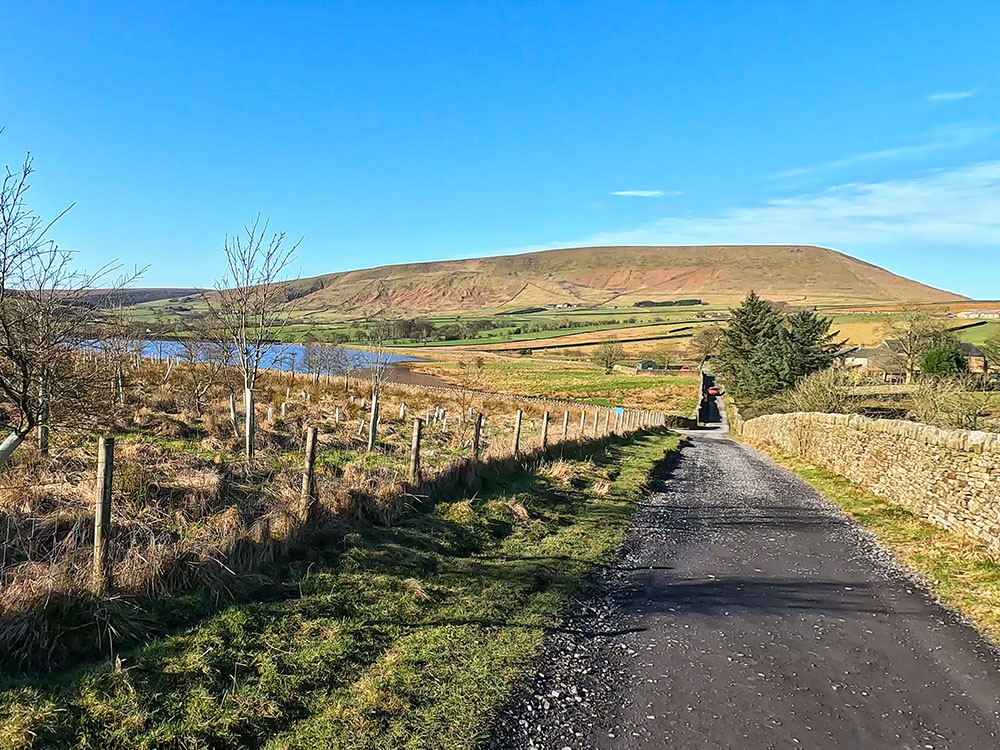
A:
(745, 611)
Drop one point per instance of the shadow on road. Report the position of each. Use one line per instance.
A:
(721, 596)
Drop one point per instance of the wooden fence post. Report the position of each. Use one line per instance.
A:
(517, 433)
(284, 408)
(402, 410)
(545, 430)
(596, 413)
(309, 474)
(477, 436)
(415, 451)
(565, 426)
(583, 418)
(607, 417)
(102, 513)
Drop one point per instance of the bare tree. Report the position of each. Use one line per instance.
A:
(664, 357)
(250, 306)
(912, 332)
(608, 354)
(121, 348)
(377, 363)
(314, 361)
(470, 378)
(704, 343)
(46, 318)
(204, 363)
(340, 362)
(956, 402)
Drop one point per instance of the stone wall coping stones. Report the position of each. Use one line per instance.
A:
(976, 441)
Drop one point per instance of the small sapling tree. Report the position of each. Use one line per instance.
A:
(250, 306)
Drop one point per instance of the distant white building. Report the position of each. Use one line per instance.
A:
(979, 314)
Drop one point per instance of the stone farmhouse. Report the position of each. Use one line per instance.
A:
(887, 361)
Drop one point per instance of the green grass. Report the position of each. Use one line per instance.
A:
(959, 571)
(325, 325)
(408, 637)
(979, 334)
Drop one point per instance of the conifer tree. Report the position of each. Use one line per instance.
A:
(753, 323)
(763, 351)
(810, 345)
(766, 372)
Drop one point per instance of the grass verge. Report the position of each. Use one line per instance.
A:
(961, 572)
(407, 637)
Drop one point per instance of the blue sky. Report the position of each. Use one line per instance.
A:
(403, 131)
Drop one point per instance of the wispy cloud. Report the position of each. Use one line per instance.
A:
(957, 207)
(952, 137)
(951, 96)
(646, 193)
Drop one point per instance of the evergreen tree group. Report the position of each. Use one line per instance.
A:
(763, 352)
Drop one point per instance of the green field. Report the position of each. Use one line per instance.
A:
(549, 325)
(325, 326)
(980, 333)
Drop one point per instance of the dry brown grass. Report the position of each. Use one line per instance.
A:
(561, 471)
(600, 488)
(187, 512)
(519, 512)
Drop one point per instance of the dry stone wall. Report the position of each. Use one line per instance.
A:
(951, 477)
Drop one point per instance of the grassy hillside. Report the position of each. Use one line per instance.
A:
(620, 276)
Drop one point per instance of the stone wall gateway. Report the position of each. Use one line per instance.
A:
(951, 477)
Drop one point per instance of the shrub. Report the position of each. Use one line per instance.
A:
(946, 358)
(824, 391)
(958, 402)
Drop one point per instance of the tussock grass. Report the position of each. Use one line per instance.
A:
(960, 571)
(409, 636)
(188, 513)
(560, 470)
